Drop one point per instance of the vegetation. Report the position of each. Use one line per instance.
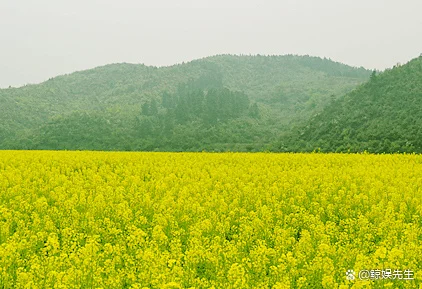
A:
(198, 220)
(382, 115)
(220, 103)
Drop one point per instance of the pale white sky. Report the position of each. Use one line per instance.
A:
(44, 38)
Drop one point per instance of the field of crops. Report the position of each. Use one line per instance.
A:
(202, 220)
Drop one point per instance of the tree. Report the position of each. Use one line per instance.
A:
(145, 108)
(254, 111)
(153, 108)
(167, 101)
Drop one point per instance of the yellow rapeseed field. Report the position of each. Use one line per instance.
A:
(204, 220)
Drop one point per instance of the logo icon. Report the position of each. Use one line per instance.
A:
(350, 275)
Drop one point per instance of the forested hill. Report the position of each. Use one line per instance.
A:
(383, 115)
(222, 102)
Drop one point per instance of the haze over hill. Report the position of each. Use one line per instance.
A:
(382, 115)
(45, 38)
(222, 102)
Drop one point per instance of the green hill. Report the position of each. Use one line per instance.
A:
(382, 115)
(222, 102)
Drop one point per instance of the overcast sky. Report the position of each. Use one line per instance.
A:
(46, 38)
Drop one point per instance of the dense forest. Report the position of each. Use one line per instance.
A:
(382, 115)
(219, 103)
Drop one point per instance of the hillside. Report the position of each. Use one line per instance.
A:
(383, 115)
(104, 108)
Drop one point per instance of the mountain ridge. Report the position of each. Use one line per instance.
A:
(205, 58)
(381, 115)
(285, 89)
